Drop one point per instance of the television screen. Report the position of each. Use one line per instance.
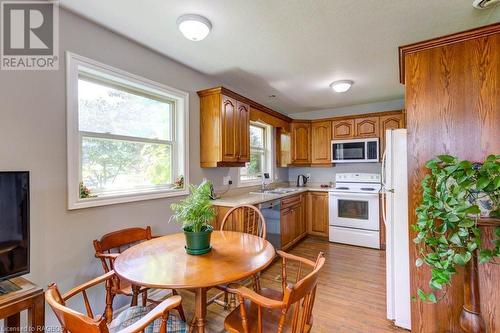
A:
(14, 224)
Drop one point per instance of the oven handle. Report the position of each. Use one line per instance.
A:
(340, 194)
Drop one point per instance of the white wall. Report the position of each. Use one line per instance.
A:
(33, 137)
(326, 175)
(396, 104)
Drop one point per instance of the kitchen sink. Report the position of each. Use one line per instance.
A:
(279, 190)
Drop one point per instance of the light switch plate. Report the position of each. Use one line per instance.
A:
(225, 180)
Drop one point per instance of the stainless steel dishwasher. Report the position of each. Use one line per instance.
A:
(272, 214)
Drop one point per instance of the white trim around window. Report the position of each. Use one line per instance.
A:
(268, 156)
(179, 142)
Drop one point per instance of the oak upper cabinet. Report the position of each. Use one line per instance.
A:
(366, 127)
(244, 131)
(283, 148)
(317, 213)
(343, 129)
(391, 121)
(224, 129)
(301, 142)
(321, 137)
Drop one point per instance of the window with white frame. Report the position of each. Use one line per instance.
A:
(127, 136)
(260, 154)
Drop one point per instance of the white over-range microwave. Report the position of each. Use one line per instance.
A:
(355, 150)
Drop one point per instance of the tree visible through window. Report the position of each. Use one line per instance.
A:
(126, 138)
(259, 154)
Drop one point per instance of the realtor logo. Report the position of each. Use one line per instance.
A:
(29, 35)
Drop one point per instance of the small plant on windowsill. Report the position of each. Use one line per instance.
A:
(85, 192)
(195, 213)
(447, 230)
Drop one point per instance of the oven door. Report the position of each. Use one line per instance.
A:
(354, 210)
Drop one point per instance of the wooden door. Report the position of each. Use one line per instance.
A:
(317, 213)
(321, 142)
(367, 127)
(230, 129)
(243, 135)
(343, 129)
(392, 121)
(301, 143)
(288, 216)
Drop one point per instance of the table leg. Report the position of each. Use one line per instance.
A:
(12, 323)
(36, 315)
(200, 309)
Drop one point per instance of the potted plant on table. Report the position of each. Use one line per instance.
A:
(195, 213)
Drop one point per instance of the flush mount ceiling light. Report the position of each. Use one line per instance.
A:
(341, 86)
(194, 27)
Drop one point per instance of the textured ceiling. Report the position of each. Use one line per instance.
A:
(291, 48)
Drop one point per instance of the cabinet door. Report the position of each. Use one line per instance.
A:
(230, 129)
(317, 213)
(321, 137)
(389, 122)
(283, 146)
(243, 135)
(367, 127)
(343, 129)
(301, 143)
(288, 217)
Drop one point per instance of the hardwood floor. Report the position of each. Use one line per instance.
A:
(350, 296)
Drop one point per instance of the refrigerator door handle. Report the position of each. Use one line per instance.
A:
(383, 172)
(384, 217)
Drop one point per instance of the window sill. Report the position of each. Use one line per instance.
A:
(118, 199)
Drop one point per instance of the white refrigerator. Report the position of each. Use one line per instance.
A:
(395, 215)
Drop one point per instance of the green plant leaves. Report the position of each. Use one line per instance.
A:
(446, 232)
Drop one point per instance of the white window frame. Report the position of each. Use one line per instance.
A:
(76, 64)
(268, 157)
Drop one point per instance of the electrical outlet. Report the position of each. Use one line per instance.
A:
(226, 180)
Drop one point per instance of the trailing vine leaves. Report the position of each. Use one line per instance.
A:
(446, 227)
(196, 211)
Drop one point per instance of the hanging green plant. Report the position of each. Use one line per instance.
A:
(455, 195)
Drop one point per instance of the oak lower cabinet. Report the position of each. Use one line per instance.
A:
(293, 224)
(321, 143)
(317, 213)
(301, 142)
(224, 129)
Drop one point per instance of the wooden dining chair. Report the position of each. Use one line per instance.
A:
(247, 219)
(268, 310)
(134, 319)
(107, 250)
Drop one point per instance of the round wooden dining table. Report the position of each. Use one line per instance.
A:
(163, 263)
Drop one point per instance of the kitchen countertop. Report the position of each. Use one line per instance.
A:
(257, 198)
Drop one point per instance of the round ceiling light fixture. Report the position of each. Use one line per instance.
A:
(194, 27)
(341, 86)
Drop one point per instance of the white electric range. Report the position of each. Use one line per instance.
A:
(354, 209)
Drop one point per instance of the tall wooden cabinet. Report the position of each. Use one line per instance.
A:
(224, 129)
(452, 107)
(301, 142)
(321, 137)
(293, 220)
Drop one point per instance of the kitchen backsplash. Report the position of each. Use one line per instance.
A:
(326, 175)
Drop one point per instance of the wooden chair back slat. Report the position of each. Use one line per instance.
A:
(245, 218)
(119, 239)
